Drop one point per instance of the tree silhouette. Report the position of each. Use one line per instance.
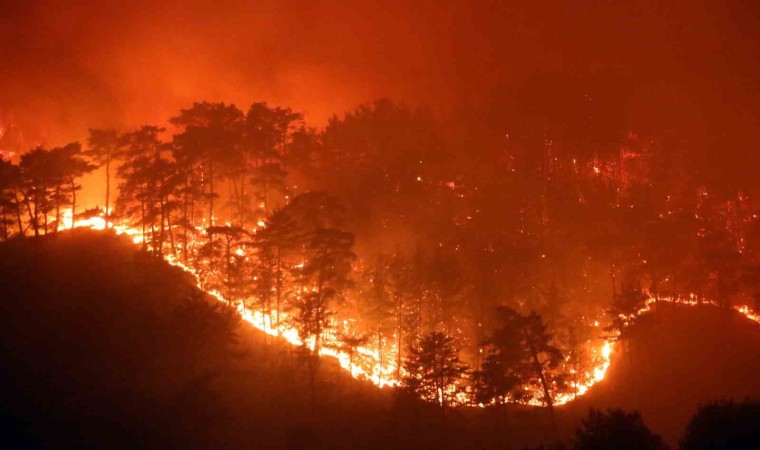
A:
(11, 183)
(624, 308)
(327, 269)
(382, 150)
(50, 180)
(544, 357)
(276, 244)
(616, 429)
(500, 377)
(189, 193)
(103, 146)
(231, 240)
(38, 174)
(378, 307)
(149, 185)
(719, 255)
(267, 134)
(401, 287)
(433, 370)
(72, 167)
(349, 343)
(520, 357)
(268, 177)
(210, 137)
(723, 425)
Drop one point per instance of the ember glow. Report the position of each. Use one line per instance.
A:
(494, 206)
(365, 364)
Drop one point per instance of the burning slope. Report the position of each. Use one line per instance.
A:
(366, 362)
(681, 355)
(104, 346)
(71, 299)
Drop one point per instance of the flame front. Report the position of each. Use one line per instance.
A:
(365, 363)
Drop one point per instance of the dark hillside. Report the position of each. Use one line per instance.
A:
(103, 346)
(681, 357)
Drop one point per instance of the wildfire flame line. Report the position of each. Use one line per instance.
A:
(378, 374)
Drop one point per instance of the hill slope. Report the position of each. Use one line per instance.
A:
(680, 356)
(103, 346)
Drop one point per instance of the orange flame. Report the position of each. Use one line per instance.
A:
(367, 360)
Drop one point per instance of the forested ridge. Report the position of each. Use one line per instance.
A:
(375, 238)
(104, 345)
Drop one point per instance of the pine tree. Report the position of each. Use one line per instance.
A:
(103, 146)
(521, 358)
(433, 370)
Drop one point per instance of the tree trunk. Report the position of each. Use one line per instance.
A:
(142, 220)
(58, 209)
(73, 200)
(161, 233)
(153, 235)
(538, 367)
(171, 232)
(241, 206)
(380, 352)
(279, 288)
(398, 347)
(17, 207)
(45, 211)
(211, 194)
(227, 257)
(32, 216)
(185, 220)
(108, 188)
(655, 284)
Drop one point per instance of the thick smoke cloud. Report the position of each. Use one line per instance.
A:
(688, 69)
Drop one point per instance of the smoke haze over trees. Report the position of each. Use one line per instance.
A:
(684, 69)
(473, 202)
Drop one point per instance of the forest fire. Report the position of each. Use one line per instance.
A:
(416, 224)
(365, 364)
(290, 267)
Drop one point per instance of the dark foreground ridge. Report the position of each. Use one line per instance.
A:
(104, 346)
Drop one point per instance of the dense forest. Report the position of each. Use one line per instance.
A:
(494, 279)
(380, 224)
(105, 346)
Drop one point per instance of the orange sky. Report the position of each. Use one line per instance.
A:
(690, 67)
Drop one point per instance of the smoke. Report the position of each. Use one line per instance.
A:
(69, 66)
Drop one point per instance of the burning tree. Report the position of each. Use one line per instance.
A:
(503, 231)
(624, 308)
(500, 377)
(434, 370)
(209, 141)
(103, 146)
(51, 183)
(326, 273)
(149, 187)
(276, 244)
(10, 185)
(521, 358)
(267, 135)
(349, 343)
